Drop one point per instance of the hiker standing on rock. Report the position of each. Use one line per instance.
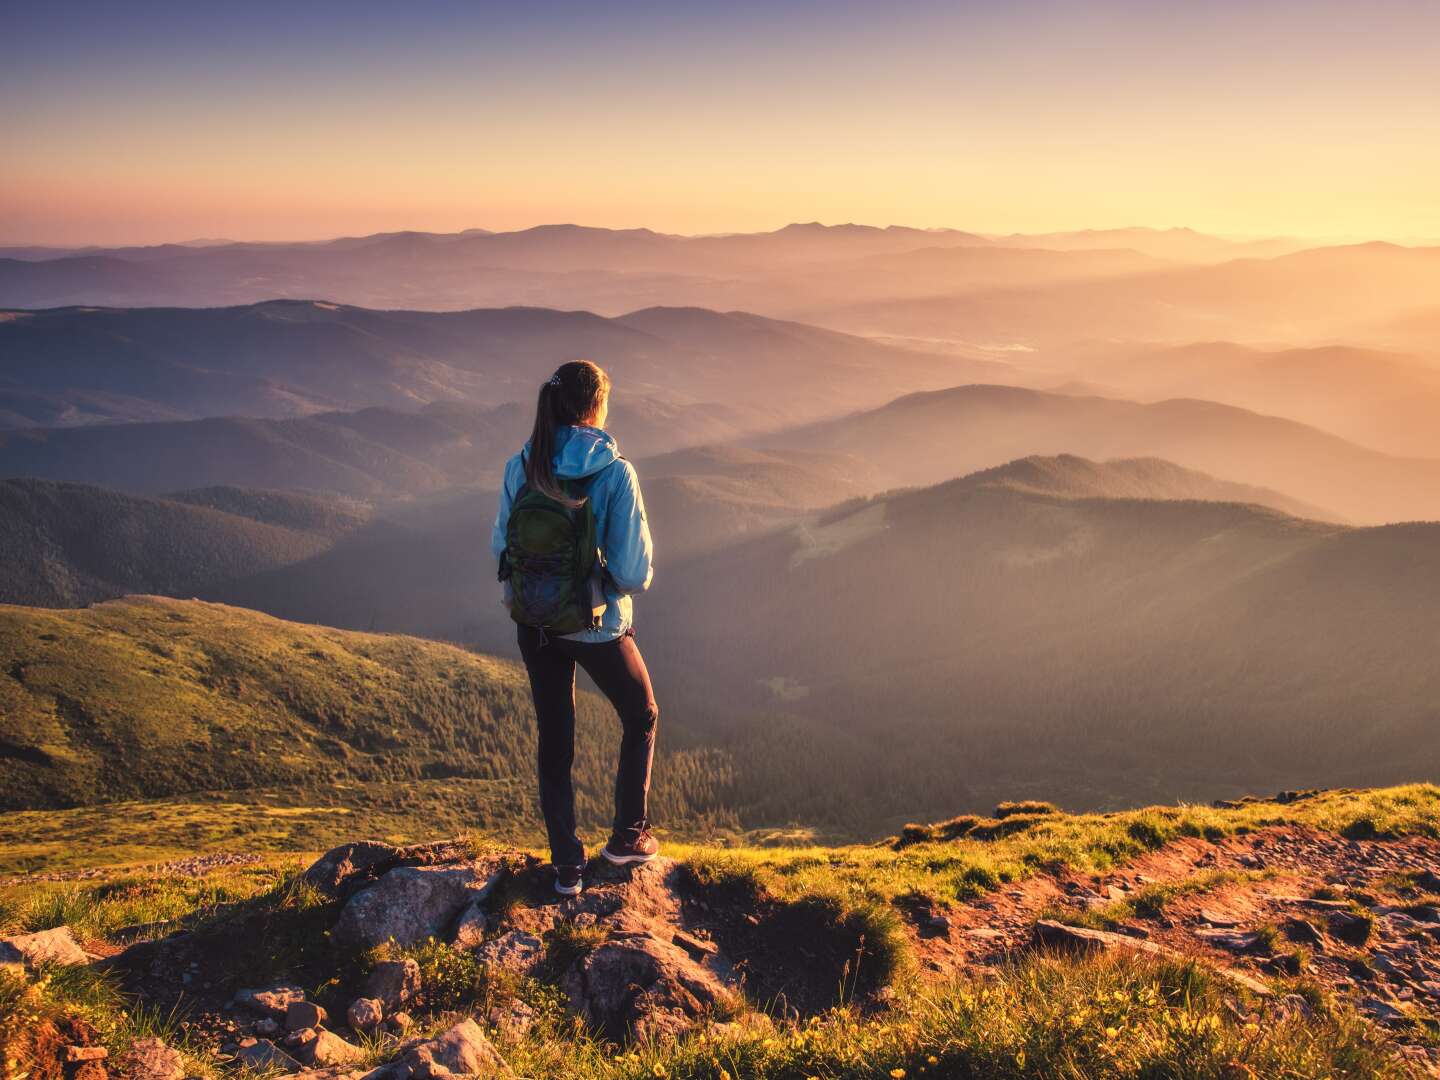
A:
(573, 545)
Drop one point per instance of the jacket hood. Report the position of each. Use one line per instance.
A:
(582, 451)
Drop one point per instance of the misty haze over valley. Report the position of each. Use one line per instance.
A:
(1107, 517)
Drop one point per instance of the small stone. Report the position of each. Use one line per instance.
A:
(1428, 880)
(74, 1054)
(365, 1014)
(297, 1041)
(304, 1014)
(1218, 919)
(273, 1002)
(402, 1022)
(262, 1055)
(267, 1026)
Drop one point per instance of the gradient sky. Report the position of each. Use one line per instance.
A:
(141, 122)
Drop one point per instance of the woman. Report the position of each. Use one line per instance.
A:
(572, 466)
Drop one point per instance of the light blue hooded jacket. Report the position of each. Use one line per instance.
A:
(620, 525)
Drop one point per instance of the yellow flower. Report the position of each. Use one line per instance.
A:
(1111, 1032)
(898, 1074)
(932, 1060)
(657, 1070)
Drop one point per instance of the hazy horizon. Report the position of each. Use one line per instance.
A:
(161, 121)
(1311, 239)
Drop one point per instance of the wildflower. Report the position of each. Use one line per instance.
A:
(897, 1074)
(1111, 1032)
(657, 1070)
(932, 1060)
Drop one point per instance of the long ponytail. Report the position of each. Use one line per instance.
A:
(572, 395)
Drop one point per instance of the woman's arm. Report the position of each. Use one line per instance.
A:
(514, 469)
(629, 553)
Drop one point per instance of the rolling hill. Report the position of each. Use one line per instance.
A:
(1027, 623)
(929, 437)
(148, 697)
(69, 544)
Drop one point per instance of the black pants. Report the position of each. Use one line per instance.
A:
(619, 671)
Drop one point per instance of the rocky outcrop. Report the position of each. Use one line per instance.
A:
(56, 946)
(411, 903)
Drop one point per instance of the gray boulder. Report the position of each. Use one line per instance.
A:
(412, 903)
(348, 867)
(365, 1014)
(641, 985)
(325, 1050)
(56, 946)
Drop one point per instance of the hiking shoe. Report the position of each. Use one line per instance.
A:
(567, 880)
(632, 846)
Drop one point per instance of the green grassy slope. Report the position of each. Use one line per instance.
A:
(148, 697)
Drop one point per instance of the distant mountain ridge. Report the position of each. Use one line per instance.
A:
(293, 358)
(931, 436)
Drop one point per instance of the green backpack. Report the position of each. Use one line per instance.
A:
(551, 561)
